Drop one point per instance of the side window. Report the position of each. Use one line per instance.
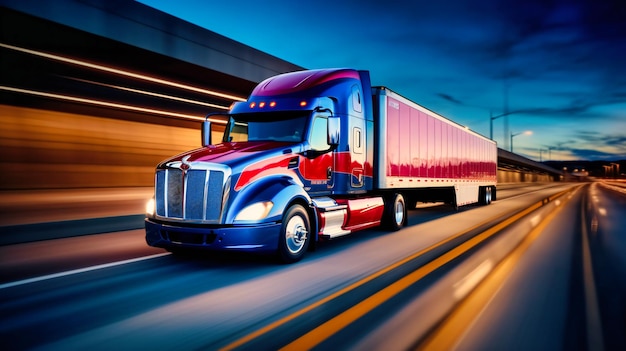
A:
(356, 99)
(319, 133)
(238, 132)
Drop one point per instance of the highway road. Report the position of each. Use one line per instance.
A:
(544, 267)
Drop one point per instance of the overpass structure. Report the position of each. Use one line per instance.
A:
(514, 168)
(94, 93)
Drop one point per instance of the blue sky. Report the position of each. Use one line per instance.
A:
(557, 66)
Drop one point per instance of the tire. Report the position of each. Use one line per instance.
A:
(484, 195)
(395, 214)
(487, 195)
(294, 235)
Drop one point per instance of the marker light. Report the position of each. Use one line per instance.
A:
(262, 104)
(302, 103)
(252, 104)
(273, 104)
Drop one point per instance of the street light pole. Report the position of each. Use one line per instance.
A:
(550, 152)
(540, 154)
(491, 124)
(528, 132)
(491, 118)
(512, 135)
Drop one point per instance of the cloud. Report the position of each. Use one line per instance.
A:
(450, 98)
(593, 154)
(557, 65)
(616, 140)
(595, 137)
(605, 146)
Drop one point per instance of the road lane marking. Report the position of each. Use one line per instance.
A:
(535, 220)
(80, 270)
(332, 326)
(472, 279)
(453, 328)
(614, 187)
(335, 324)
(592, 308)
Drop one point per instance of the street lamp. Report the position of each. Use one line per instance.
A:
(540, 154)
(491, 118)
(550, 148)
(528, 132)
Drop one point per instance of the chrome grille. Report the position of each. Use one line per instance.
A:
(194, 195)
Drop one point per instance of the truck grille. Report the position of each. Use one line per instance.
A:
(195, 195)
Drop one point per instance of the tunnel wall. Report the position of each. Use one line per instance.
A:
(510, 176)
(44, 149)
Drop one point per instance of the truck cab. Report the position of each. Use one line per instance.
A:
(290, 158)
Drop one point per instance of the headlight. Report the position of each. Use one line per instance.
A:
(150, 207)
(255, 211)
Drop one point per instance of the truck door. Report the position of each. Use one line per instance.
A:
(318, 167)
(357, 153)
(357, 133)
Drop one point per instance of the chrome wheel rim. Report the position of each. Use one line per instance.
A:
(399, 212)
(296, 234)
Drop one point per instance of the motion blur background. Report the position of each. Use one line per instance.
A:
(114, 87)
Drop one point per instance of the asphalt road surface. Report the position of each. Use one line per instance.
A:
(110, 291)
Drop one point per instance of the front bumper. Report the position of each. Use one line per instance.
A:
(260, 238)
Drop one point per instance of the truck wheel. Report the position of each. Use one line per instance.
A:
(484, 195)
(294, 234)
(487, 195)
(395, 213)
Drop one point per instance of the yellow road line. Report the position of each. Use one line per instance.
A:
(326, 330)
(369, 304)
(448, 333)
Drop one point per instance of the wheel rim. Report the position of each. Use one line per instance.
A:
(296, 234)
(399, 212)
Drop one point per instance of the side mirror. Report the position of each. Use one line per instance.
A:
(206, 133)
(334, 129)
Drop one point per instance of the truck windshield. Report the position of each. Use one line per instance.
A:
(283, 126)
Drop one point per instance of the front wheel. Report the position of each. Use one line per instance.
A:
(295, 234)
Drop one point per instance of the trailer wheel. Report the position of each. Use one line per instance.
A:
(395, 213)
(484, 195)
(488, 195)
(294, 234)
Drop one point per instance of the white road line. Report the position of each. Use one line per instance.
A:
(80, 270)
(595, 339)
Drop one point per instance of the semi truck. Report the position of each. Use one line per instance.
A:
(314, 155)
